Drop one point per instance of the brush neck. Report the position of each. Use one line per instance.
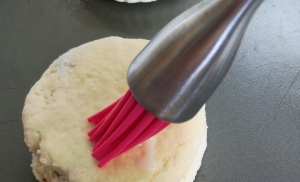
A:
(184, 63)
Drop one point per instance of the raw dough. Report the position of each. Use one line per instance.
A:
(80, 83)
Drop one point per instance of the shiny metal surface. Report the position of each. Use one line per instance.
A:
(184, 63)
(253, 116)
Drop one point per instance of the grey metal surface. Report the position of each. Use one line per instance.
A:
(180, 68)
(253, 117)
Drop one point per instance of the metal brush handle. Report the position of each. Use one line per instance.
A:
(176, 73)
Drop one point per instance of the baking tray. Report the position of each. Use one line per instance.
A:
(253, 117)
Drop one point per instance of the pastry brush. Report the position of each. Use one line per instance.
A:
(173, 76)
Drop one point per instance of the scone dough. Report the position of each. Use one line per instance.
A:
(78, 84)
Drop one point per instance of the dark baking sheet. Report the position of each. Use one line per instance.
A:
(253, 117)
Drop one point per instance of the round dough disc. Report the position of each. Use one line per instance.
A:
(80, 83)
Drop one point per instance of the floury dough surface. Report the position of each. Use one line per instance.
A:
(80, 83)
(136, 1)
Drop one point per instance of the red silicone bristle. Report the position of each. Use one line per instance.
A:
(155, 127)
(128, 138)
(100, 115)
(121, 126)
(161, 128)
(109, 120)
(97, 126)
(120, 120)
(125, 133)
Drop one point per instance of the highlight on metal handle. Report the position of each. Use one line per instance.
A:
(176, 73)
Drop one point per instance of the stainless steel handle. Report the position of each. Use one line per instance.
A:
(179, 69)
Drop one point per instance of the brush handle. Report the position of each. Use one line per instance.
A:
(176, 73)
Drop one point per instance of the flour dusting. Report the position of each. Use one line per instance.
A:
(64, 64)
